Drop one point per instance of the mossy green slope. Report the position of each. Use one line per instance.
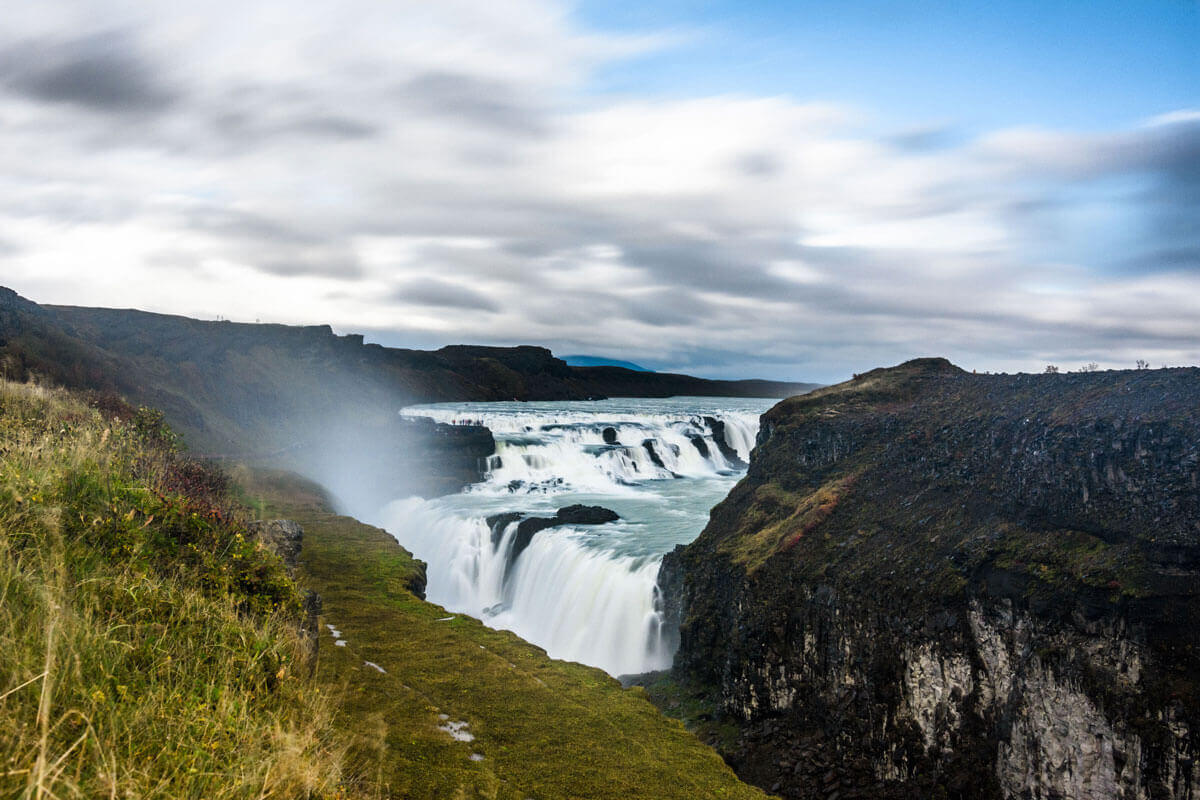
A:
(542, 728)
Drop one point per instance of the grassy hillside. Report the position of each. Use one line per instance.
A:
(542, 728)
(148, 647)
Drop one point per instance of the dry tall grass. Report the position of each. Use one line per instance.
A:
(147, 650)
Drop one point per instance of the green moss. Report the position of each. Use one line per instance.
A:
(544, 728)
(695, 707)
(1065, 559)
(776, 519)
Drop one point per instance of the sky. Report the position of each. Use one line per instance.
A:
(731, 189)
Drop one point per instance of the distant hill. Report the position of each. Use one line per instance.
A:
(600, 361)
(303, 397)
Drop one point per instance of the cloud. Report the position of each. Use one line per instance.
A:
(101, 72)
(442, 294)
(444, 172)
(285, 249)
(471, 100)
(249, 127)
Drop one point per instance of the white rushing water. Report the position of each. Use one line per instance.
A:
(583, 592)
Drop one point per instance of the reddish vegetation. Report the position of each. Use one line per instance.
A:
(827, 500)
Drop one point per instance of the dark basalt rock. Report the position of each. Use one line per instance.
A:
(434, 458)
(655, 458)
(700, 445)
(939, 584)
(284, 537)
(579, 514)
(525, 533)
(648, 444)
(717, 426)
(499, 522)
(529, 526)
(610, 435)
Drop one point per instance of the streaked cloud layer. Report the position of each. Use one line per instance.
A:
(440, 173)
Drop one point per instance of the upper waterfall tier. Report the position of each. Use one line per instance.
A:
(605, 446)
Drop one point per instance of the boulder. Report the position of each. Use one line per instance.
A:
(586, 515)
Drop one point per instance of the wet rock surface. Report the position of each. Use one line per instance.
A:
(717, 426)
(569, 515)
(579, 514)
(940, 584)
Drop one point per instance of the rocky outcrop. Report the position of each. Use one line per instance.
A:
(933, 583)
(717, 426)
(580, 514)
(529, 526)
(655, 458)
(283, 537)
(438, 459)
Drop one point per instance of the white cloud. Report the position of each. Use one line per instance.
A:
(421, 169)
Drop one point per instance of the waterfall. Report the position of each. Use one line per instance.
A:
(553, 450)
(579, 603)
(585, 593)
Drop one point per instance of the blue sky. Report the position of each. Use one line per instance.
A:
(751, 189)
(971, 65)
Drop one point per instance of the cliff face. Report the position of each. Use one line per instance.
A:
(933, 583)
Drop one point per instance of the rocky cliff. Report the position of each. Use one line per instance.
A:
(940, 584)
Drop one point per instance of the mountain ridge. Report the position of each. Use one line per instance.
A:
(579, 360)
(305, 398)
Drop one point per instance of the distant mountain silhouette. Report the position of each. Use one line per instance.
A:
(601, 361)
